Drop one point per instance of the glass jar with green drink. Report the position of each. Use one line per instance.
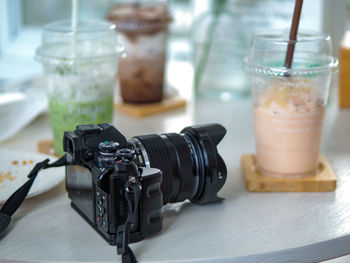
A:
(80, 68)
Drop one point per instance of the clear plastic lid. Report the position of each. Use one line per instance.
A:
(312, 54)
(92, 40)
(140, 17)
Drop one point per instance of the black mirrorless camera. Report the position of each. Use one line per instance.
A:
(120, 186)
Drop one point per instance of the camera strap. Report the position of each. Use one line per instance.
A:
(132, 189)
(132, 194)
(16, 199)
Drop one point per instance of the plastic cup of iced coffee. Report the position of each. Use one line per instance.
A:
(80, 70)
(289, 105)
(143, 31)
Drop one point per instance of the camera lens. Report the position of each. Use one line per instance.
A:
(191, 166)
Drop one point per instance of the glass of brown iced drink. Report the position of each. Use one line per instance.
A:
(289, 104)
(143, 31)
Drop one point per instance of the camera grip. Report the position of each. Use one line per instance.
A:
(152, 201)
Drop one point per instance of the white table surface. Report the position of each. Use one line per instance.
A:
(246, 227)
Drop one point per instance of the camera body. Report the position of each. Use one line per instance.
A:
(112, 185)
(99, 183)
(120, 186)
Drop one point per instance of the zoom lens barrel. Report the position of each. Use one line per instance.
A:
(191, 165)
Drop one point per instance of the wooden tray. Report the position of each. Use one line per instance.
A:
(324, 181)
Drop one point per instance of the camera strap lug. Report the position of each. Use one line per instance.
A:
(132, 189)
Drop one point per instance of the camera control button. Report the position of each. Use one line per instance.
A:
(89, 129)
(104, 223)
(101, 209)
(108, 147)
(98, 220)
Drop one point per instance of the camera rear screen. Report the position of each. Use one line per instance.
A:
(79, 187)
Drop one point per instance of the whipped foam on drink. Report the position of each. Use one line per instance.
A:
(288, 128)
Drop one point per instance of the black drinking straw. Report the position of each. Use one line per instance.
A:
(293, 34)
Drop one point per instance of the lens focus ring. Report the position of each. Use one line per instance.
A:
(184, 165)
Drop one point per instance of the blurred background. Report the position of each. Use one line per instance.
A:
(194, 25)
(207, 41)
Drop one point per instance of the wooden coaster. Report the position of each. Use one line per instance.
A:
(46, 147)
(143, 110)
(344, 77)
(324, 181)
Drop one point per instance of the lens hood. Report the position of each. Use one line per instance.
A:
(215, 171)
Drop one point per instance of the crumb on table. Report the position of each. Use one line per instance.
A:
(6, 176)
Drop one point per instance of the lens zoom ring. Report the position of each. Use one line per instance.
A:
(158, 157)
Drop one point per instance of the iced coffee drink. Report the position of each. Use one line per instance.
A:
(288, 121)
(142, 30)
(289, 105)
